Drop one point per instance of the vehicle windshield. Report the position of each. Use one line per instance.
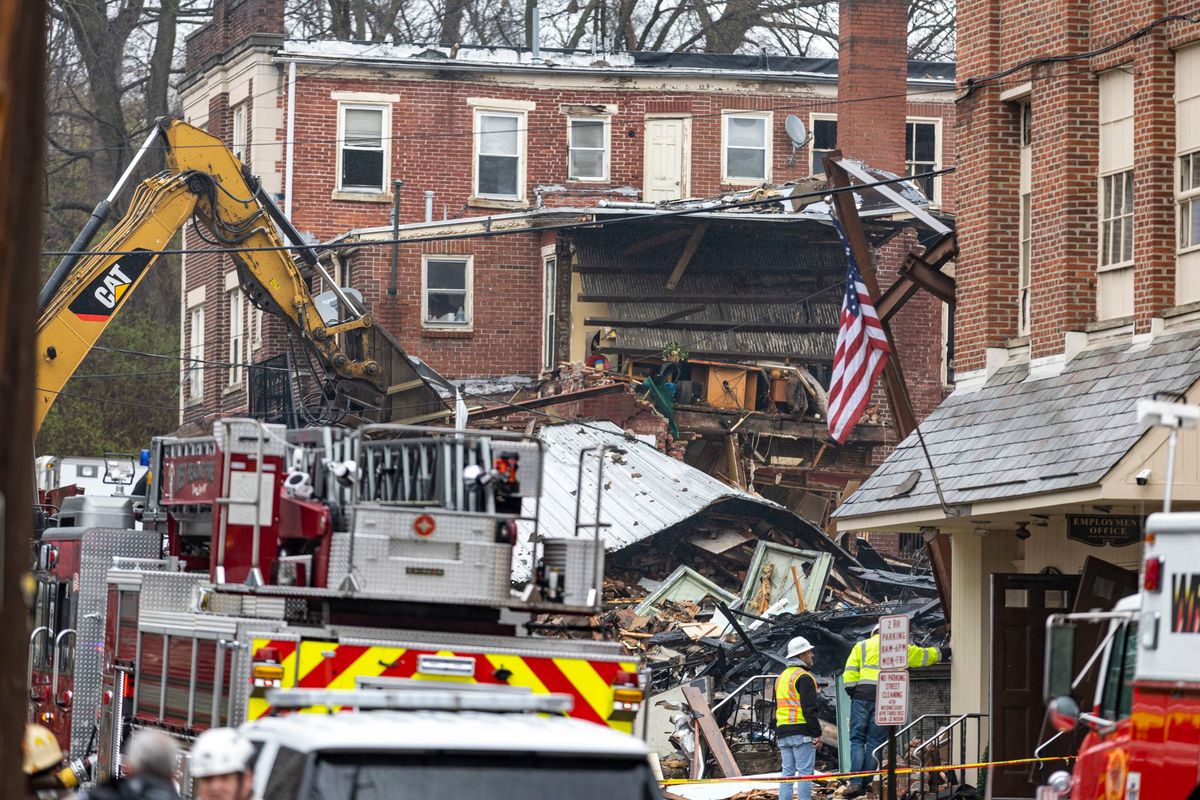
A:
(479, 776)
(1117, 699)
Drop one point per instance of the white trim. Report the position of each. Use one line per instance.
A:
(606, 122)
(468, 303)
(1018, 92)
(385, 141)
(522, 125)
(936, 122)
(197, 296)
(235, 372)
(549, 306)
(768, 118)
(240, 140)
(364, 97)
(500, 104)
(231, 280)
(812, 132)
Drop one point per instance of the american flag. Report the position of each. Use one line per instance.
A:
(862, 350)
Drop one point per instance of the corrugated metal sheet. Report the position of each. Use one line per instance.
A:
(804, 347)
(645, 492)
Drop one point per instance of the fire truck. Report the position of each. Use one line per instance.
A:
(1141, 730)
(315, 558)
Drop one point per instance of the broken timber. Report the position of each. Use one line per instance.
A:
(712, 734)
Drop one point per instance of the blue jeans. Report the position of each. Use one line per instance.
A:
(865, 736)
(799, 758)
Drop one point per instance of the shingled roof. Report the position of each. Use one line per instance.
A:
(1018, 436)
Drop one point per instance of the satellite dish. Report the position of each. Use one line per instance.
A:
(797, 133)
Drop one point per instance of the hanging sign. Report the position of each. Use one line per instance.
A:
(1105, 529)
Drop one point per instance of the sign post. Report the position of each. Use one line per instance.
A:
(891, 692)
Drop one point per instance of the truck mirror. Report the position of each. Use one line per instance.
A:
(1060, 660)
(1064, 714)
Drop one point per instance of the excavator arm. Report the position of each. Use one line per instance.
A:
(206, 182)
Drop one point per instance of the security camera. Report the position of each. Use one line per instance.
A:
(1142, 477)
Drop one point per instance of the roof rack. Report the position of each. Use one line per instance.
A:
(412, 699)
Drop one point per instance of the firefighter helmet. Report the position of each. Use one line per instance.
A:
(40, 750)
(220, 751)
(798, 647)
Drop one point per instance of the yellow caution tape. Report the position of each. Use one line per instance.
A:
(841, 776)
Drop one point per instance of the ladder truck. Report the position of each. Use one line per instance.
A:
(315, 558)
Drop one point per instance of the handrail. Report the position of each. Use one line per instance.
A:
(947, 727)
(57, 646)
(739, 689)
(1037, 751)
(902, 731)
(29, 672)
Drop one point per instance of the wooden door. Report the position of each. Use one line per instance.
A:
(666, 159)
(1020, 606)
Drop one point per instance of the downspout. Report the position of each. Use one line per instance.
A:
(291, 141)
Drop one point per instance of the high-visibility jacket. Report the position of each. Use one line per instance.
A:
(789, 698)
(862, 667)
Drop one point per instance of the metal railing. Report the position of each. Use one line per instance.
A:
(761, 689)
(926, 742)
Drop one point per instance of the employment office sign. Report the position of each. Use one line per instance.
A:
(893, 642)
(891, 698)
(1101, 529)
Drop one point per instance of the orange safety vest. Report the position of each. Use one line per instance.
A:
(787, 697)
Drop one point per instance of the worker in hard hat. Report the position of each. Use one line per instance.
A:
(797, 728)
(222, 765)
(861, 677)
(41, 756)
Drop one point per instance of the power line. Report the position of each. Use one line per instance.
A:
(334, 245)
(107, 401)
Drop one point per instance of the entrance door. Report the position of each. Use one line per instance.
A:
(666, 159)
(1020, 606)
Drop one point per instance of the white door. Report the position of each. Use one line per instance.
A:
(666, 159)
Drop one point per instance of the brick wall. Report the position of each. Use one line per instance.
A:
(873, 81)
(1000, 34)
(233, 22)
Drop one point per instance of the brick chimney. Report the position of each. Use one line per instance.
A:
(233, 22)
(873, 63)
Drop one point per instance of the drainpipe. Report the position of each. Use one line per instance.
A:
(429, 202)
(396, 186)
(291, 140)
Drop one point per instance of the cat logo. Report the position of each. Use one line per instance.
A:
(102, 297)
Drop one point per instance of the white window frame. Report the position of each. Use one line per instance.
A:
(517, 110)
(385, 146)
(606, 149)
(468, 302)
(1188, 200)
(195, 367)
(1124, 220)
(1024, 219)
(936, 122)
(236, 305)
(549, 307)
(240, 139)
(767, 118)
(812, 130)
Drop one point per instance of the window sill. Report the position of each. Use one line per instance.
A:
(362, 197)
(1114, 267)
(592, 183)
(744, 181)
(495, 202)
(193, 402)
(232, 388)
(447, 333)
(1102, 325)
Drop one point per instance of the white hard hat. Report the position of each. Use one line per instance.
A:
(220, 751)
(798, 646)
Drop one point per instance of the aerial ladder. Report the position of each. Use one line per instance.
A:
(204, 181)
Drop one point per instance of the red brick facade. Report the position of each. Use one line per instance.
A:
(432, 121)
(995, 35)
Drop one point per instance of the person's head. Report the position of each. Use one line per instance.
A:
(800, 649)
(151, 752)
(221, 765)
(875, 630)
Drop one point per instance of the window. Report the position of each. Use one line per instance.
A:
(447, 292)
(1114, 285)
(1189, 201)
(1116, 219)
(549, 307)
(498, 169)
(824, 139)
(587, 146)
(196, 353)
(1026, 254)
(362, 166)
(1024, 219)
(1116, 699)
(921, 155)
(239, 133)
(236, 326)
(747, 152)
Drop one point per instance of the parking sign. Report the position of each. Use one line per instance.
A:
(891, 698)
(893, 642)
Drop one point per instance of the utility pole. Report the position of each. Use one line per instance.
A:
(22, 137)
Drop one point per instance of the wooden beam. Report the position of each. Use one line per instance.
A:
(650, 242)
(711, 733)
(404, 387)
(938, 284)
(939, 559)
(847, 212)
(832, 295)
(936, 257)
(709, 325)
(550, 400)
(685, 258)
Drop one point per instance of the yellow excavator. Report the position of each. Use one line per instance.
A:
(357, 368)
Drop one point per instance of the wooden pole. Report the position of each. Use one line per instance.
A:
(799, 590)
(22, 137)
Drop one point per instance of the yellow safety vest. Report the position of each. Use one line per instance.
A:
(787, 697)
(863, 664)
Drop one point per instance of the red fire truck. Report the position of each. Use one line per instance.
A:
(1141, 729)
(314, 558)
